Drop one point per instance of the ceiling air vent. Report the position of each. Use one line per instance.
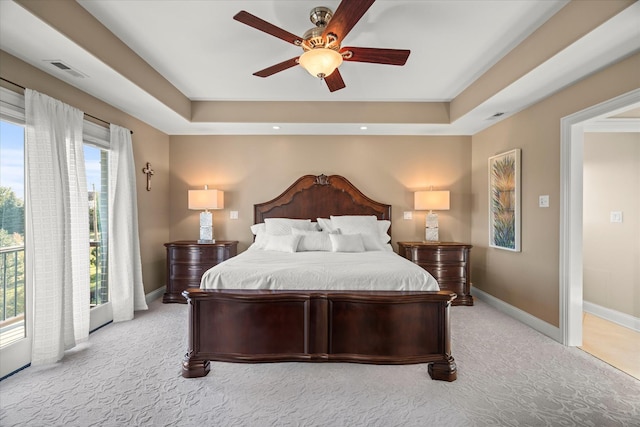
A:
(495, 116)
(66, 68)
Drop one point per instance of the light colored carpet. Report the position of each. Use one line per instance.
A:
(508, 375)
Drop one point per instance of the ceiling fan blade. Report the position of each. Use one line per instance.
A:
(277, 68)
(346, 16)
(262, 25)
(334, 81)
(376, 56)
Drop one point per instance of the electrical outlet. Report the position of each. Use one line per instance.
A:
(408, 215)
(543, 201)
(233, 215)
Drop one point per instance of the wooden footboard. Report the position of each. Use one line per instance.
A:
(383, 327)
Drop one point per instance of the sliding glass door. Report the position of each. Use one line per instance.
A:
(15, 280)
(15, 347)
(97, 167)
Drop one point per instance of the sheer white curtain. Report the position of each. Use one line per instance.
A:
(58, 234)
(125, 267)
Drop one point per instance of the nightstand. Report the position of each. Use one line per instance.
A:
(187, 261)
(448, 262)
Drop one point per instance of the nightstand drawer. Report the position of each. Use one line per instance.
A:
(205, 254)
(437, 255)
(188, 270)
(444, 272)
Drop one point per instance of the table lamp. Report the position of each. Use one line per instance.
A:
(204, 200)
(431, 201)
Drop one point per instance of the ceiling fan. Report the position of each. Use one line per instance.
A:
(323, 53)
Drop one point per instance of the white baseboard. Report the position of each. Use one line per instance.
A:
(622, 319)
(154, 295)
(518, 314)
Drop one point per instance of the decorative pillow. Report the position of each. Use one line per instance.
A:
(346, 243)
(280, 226)
(383, 227)
(312, 240)
(281, 243)
(372, 242)
(366, 225)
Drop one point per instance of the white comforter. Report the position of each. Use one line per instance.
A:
(260, 269)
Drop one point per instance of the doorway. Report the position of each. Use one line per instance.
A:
(571, 211)
(611, 233)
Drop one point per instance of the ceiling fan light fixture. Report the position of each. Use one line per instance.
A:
(320, 62)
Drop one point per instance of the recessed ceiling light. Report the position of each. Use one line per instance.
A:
(363, 128)
(276, 127)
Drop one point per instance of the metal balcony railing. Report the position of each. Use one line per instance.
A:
(12, 278)
(12, 296)
(13, 282)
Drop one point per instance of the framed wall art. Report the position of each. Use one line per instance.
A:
(504, 200)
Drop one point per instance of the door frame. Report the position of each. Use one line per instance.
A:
(571, 194)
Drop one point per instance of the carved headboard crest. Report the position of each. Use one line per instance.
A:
(322, 180)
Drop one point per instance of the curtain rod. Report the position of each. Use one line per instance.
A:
(86, 114)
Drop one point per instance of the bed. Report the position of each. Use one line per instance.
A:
(319, 325)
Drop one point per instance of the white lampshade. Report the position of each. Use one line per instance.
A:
(206, 199)
(320, 62)
(431, 200)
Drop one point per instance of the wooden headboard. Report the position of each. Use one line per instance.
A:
(321, 196)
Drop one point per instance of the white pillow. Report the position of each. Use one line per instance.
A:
(372, 242)
(312, 240)
(279, 226)
(281, 243)
(366, 225)
(260, 232)
(325, 225)
(346, 243)
(383, 228)
(258, 228)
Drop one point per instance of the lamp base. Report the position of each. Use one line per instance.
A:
(431, 235)
(206, 228)
(431, 227)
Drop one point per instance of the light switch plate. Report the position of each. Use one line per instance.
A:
(543, 201)
(233, 215)
(408, 215)
(615, 216)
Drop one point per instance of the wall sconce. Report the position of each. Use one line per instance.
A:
(430, 201)
(206, 199)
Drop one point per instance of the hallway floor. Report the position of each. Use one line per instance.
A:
(612, 343)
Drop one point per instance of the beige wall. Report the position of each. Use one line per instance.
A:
(611, 251)
(255, 169)
(529, 280)
(149, 145)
